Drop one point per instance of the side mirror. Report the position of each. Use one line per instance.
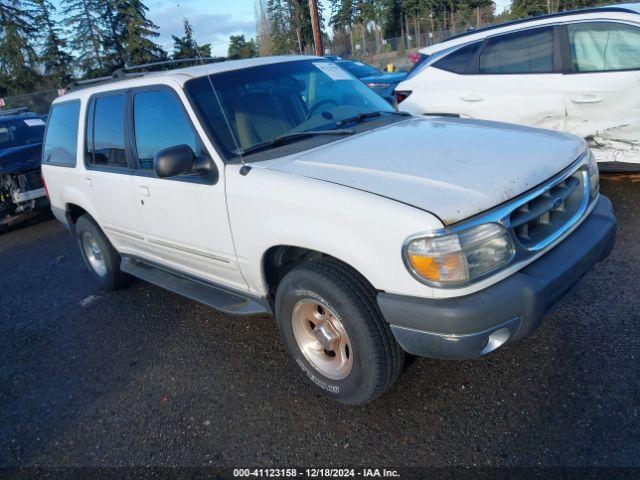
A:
(172, 161)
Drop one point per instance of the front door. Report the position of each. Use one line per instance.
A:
(185, 217)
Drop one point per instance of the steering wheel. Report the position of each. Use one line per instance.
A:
(317, 105)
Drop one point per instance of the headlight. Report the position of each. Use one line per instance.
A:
(454, 259)
(594, 175)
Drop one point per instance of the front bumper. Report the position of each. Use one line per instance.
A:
(476, 324)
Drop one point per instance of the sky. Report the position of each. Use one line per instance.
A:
(213, 21)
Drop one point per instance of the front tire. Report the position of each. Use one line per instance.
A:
(99, 255)
(329, 320)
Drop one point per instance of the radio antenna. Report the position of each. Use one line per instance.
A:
(245, 168)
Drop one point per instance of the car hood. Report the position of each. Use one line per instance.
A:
(385, 78)
(453, 168)
(20, 159)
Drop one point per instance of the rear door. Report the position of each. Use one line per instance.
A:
(185, 217)
(108, 177)
(602, 87)
(514, 77)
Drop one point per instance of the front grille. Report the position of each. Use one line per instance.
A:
(544, 216)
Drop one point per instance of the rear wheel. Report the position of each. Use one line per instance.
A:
(99, 255)
(329, 320)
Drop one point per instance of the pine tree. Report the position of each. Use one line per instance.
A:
(527, 8)
(17, 54)
(239, 47)
(87, 35)
(115, 53)
(136, 32)
(56, 62)
(186, 46)
(282, 36)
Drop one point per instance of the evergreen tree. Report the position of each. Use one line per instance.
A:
(87, 36)
(283, 39)
(186, 46)
(527, 8)
(239, 47)
(113, 45)
(17, 54)
(55, 61)
(136, 33)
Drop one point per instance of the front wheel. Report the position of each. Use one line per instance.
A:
(330, 322)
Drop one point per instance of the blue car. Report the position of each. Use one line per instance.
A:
(22, 193)
(381, 83)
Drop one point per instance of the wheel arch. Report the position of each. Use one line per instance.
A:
(279, 260)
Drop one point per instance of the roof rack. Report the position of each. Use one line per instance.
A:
(177, 61)
(14, 111)
(542, 17)
(139, 71)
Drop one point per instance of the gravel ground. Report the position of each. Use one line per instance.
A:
(145, 377)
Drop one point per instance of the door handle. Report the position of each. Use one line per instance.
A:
(471, 98)
(144, 191)
(587, 98)
(88, 181)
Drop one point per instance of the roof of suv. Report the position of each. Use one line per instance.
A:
(480, 33)
(179, 76)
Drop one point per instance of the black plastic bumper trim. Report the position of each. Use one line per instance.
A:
(526, 295)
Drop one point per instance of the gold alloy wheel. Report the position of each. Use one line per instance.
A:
(322, 339)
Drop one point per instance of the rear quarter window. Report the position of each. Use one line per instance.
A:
(60, 144)
(458, 61)
(525, 52)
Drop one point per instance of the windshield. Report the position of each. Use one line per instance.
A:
(359, 69)
(266, 102)
(16, 133)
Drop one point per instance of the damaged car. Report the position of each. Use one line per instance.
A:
(285, 186)
(22, 193)
(575, 71)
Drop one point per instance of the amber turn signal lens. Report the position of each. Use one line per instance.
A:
(439, 268)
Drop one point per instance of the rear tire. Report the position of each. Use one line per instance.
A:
(99, 255)
(330, 322)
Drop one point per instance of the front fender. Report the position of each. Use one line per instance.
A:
(366, 231)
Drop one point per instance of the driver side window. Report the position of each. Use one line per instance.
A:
(159, 122)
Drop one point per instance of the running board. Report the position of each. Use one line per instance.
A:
(214, 296)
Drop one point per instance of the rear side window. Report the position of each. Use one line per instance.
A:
(604, 46)
(60, 145)
(458, 61)
(160, 122)
(105, 142)
(523, 52)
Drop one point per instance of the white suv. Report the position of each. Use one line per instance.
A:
(577, 72)
(284, 185)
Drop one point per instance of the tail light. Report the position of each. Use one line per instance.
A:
(44, 185)
(402, 95)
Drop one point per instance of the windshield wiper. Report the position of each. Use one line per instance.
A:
(363, 116)
(279, 140)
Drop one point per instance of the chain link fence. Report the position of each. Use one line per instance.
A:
(380, 52)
